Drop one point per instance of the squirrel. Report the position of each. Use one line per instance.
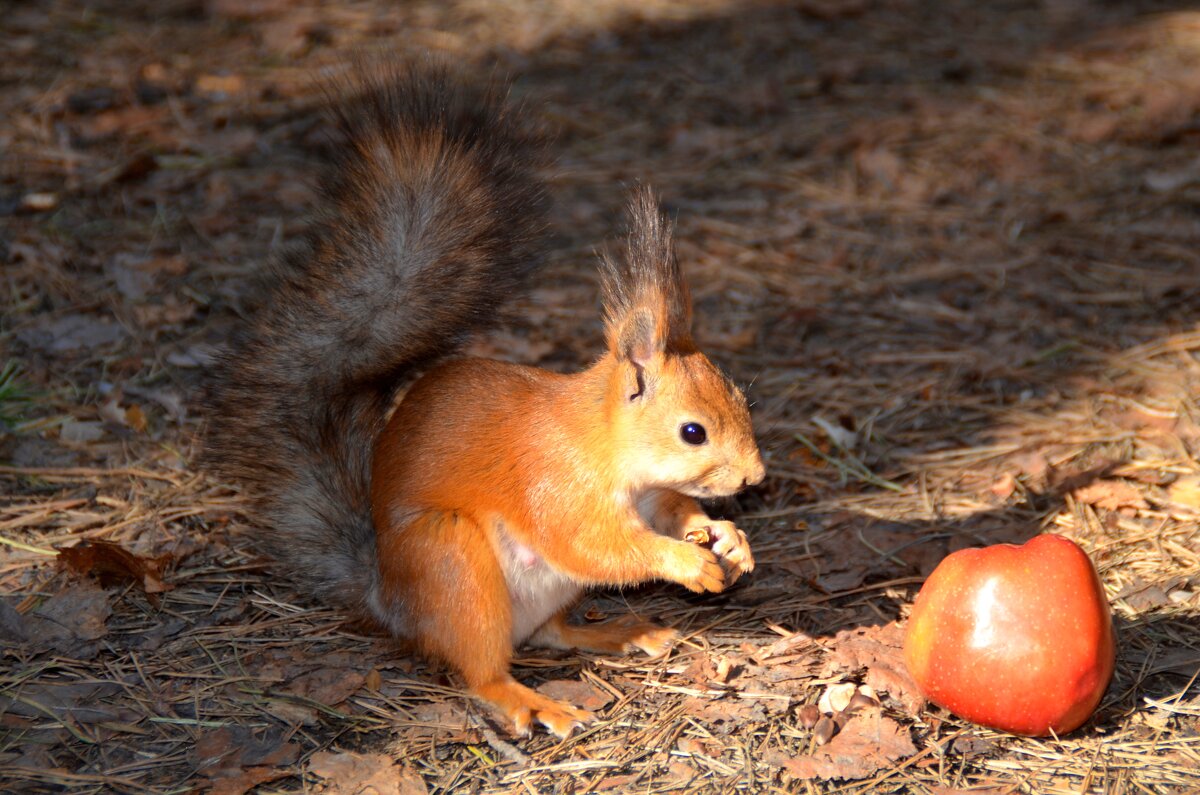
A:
(473, 518)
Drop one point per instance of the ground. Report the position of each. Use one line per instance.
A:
(951, 248)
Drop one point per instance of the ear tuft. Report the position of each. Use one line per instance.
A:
(648, 280)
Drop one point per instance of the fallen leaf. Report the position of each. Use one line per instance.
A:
(234, 761)
(700, 670)
(1142, 596)
(328, 686)
(727, 666)
(220, 85)
(576, 692)
(236, 746)
(1185, 491)
(880, 650)
(1033, 465)
(1137, 417)
(135, 418)
(681, 773)
(238, 782)
(112, 564)
(439, 722)
(216, 749)
(348, 773)
(867, 743)
(12, 624)
(784, 646)
(1004, 486)
(968, 745)
(69, 622)
(696, 747)
(724, 715)
(1111, 495)
(76, 701)
(293, 714)
(620, 783)
(131, 276)
(1184, 662)
(82, 610)
(845, 579)
(70, 333)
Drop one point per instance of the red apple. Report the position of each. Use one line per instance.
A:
(1018, 638)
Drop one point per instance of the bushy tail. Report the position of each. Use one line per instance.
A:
(427, 220)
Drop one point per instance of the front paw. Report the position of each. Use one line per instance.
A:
(693, 567)
(728, 543)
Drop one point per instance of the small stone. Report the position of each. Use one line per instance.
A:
(39, 202)
(836, 697)
(860, 700)
(824, 730)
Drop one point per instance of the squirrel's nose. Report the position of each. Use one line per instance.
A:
(756, 475)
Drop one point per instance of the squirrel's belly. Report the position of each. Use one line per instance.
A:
(537, 591)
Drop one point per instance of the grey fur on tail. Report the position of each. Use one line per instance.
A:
(428, 219)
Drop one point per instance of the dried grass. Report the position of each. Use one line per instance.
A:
(951, 248)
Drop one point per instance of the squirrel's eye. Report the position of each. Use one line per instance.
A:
(693, 433)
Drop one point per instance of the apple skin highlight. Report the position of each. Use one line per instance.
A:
(1018, 638)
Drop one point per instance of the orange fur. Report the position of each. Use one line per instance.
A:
(472, 520)
(500, 492)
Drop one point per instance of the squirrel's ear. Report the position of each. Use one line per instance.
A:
(638, 344)
(639, 338)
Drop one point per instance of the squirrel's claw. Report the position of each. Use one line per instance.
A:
(732, 548)
(562, 720)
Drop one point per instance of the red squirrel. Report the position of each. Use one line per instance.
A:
(473, 519)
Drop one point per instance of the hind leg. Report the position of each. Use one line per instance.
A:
(441, 568)
(616, 637)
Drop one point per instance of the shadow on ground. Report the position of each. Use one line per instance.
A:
(952, 247)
